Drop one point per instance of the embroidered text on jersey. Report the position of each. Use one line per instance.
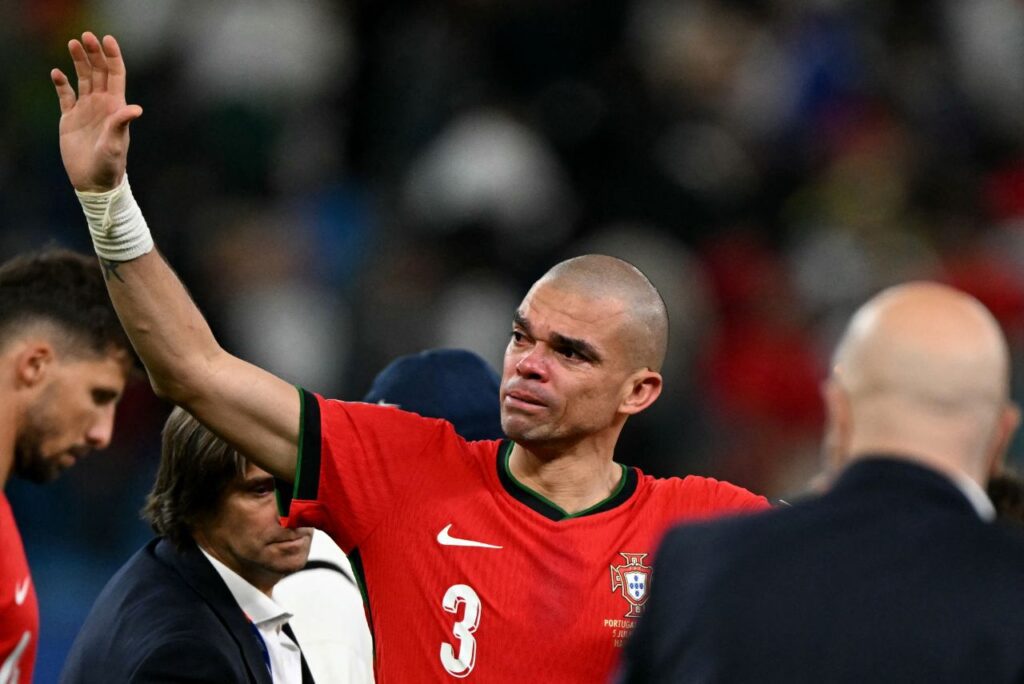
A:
(21, 590)
(445, 539)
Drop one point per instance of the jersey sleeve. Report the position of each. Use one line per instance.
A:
(695, 498)
(356, 462)
(718, 497)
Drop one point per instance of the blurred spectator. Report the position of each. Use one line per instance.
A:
(489, 169)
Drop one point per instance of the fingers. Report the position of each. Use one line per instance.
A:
(115, 66)
(99, 68)
(97, 60)
(65, 93)
(83, 70)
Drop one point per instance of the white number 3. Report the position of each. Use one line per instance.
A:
(461, 665)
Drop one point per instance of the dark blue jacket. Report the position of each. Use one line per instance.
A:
(889, 577)
(166, 616)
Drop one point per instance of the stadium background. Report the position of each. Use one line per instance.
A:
(340, 183)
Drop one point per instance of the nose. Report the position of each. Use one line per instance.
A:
(533, 365)
(102, 430)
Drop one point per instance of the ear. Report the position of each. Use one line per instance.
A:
(1006, 428)
(644, 387)
(33, 363)
(838, 426)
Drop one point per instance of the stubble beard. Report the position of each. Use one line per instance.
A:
(540, 437)
(29, 461)
(522, 431)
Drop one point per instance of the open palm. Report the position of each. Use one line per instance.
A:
(94, 124)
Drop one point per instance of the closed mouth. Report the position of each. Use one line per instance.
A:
(290, 540)
(524, 398)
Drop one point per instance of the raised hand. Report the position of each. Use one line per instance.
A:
(94, 125)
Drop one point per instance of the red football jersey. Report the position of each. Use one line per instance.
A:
(466, 572)
(19, 610)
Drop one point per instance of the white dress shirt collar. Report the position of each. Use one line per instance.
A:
(975, 495)
(269, 618)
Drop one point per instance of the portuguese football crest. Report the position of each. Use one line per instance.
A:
(633, 578)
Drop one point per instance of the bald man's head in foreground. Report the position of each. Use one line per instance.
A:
(922, 372)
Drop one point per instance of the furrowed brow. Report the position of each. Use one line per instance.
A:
(581, 347)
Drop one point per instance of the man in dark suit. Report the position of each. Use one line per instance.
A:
(195, 604)
(896, 574)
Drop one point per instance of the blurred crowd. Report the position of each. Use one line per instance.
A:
(342, 182)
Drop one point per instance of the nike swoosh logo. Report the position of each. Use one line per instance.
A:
(445, 539)
(21, 590)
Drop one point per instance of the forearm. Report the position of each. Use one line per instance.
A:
(250, 408)
(164, 325)
(245, 405)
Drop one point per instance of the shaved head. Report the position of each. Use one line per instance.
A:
(597, 276)
(924, 368)
(929, 343)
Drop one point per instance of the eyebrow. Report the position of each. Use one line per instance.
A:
(581, 347)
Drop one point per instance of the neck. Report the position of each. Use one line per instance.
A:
(573, 480)
(951, 444)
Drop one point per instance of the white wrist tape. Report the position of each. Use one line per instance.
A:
(119, 231)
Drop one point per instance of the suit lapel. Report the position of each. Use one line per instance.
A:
(197, 572)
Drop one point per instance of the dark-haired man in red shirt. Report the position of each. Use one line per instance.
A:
(63, 364)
